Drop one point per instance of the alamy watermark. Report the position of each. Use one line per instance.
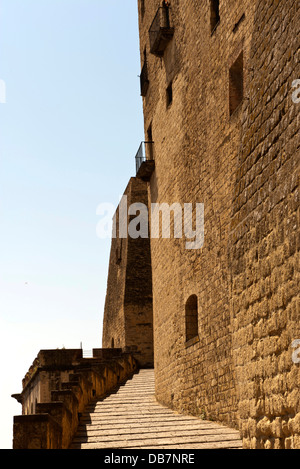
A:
(296, 353)
(2, 92)
(296, 93)
(296, 100)
(136, 221)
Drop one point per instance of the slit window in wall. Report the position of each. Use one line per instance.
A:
(191, 318)
(149, 133)
(169, 94)
(214, 14)
(142, 7)
(144, 80)
(150, 154)
(236, 83)
(119, 251)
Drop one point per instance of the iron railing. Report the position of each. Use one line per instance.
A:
(144, 153)
(160, 31)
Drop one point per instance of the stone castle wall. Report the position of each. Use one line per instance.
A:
(196, 144)
(240, 157)
(218, 106)
(264, 249)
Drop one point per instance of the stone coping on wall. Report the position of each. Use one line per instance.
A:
(54, 423)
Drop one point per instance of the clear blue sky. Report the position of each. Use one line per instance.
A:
(69, 131)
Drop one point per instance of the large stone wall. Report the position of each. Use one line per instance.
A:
(264, 255)
(242, 166)
(196, 143)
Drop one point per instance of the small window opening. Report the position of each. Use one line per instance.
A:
(112, 343)
(144, 80)
(149, 147)
(142, 7)
(119, 251)
(169, 94)
(236, 84)
(214, 14)
(149, 133)
(191, 318)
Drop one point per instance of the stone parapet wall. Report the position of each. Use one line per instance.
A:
(78, 381)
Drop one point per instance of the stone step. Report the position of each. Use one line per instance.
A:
(167, 441)
(137, 425)
(154, 432)
(131, 418)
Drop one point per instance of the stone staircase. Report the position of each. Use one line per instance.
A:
(131, 418)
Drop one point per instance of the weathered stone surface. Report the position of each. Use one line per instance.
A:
(243, 165)
(132, 419)
(263, 249)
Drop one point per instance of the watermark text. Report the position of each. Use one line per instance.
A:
(2, 92)
(296, 353)
(296, 92)
(137, 221)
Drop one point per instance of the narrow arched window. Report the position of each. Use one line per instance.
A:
(191, 318)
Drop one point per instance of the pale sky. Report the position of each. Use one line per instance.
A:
(69, 130)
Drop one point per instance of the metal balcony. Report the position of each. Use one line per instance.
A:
(160, 32)
(144, 161)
